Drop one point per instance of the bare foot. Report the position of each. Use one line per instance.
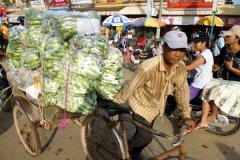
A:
(202, 125)
(211, 118)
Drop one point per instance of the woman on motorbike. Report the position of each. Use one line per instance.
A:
(221, 93)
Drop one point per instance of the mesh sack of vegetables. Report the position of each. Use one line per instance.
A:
(31, 58)
(33, 18)
(54, 55)
(69, 24)
(112, 79)
(88, 65)
(30, 38)
(47, 26)
(92, 44)
(81, 96)
(15, 48)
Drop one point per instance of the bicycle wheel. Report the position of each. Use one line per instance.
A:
(232, 127)
(26, 130)
(100, 141)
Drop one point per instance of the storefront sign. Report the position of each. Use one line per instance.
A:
(229, 21)
(180, 20)
(189, 4)
(59, 3)
(74, 2)
(192, 20)
(38, 3)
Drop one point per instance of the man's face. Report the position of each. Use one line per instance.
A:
(173, 56)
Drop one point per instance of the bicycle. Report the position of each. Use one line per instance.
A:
(36, 126)
(105, 136)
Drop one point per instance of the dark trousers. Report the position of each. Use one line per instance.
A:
(140, 139)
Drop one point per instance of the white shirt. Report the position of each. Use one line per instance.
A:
(204, 71)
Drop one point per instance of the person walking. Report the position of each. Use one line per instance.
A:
(155, 79)
(4, 39)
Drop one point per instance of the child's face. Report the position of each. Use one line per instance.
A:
(200, 46)
(193, 46)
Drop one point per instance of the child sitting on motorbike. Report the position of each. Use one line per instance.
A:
(202, 64)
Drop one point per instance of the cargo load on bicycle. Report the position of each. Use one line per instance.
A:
(60, 59)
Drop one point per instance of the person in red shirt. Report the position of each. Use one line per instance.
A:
(141, 41)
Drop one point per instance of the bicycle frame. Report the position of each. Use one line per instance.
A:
(178, 146)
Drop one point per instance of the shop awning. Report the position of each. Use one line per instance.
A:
(172, 12)
(231, 10)
(131, 10)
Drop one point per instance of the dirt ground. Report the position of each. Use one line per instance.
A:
(199, 145)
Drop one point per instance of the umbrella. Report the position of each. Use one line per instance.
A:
(116, 20)
(148, 22)
(207, 21)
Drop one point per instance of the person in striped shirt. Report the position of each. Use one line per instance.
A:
(155, 79)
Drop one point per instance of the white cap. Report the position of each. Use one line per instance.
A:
(235, 30)
(176, 39)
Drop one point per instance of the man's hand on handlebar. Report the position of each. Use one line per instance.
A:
(190, 123)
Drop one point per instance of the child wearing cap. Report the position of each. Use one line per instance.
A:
(202, 64)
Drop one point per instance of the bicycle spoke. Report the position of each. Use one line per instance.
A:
(26, 131)
(100, 140)
(110, 153)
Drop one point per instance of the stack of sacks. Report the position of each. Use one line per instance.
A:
(112, 79)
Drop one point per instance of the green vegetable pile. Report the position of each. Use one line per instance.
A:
(15, 48)
(34, 18)
(112, 78)
(70, 24)
(74, 68)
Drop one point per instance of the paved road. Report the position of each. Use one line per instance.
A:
(66, 145)
(200, 145)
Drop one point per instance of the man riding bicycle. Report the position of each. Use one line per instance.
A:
(154, 80)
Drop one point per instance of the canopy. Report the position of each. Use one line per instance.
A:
(116, 20)
(148, 22)
(207, 21)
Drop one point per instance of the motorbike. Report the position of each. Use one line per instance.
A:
(223, 124)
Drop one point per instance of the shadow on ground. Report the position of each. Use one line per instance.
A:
(6, 121)
(229, 152)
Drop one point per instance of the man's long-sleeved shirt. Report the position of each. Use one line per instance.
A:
(146, 94)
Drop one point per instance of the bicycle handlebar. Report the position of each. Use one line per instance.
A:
(180, 137)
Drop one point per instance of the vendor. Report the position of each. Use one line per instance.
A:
(4, 39)
(141, 41)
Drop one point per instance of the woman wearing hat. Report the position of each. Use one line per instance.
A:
(221, 93)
